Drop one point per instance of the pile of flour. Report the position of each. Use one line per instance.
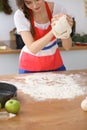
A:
(42, 86)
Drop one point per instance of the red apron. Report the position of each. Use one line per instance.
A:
(41, 32)
(41, 63)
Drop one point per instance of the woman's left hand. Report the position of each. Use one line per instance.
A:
(70, 20)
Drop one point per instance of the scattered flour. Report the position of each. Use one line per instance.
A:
(6, 115)
(42, 86)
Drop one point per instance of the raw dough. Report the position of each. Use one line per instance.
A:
(62, 29)
(84, 104)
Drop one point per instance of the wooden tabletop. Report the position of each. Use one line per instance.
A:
(48, 114)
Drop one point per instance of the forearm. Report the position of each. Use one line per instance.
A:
(37, 45)
(67, 43)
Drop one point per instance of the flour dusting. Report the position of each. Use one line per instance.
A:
(52, 86)
(42, 86)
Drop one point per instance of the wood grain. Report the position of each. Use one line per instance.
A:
(49, 114)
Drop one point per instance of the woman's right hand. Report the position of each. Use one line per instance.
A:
(55, 18)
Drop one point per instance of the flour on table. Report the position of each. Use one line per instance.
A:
(42, 86)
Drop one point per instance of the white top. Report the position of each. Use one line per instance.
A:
(23, 24)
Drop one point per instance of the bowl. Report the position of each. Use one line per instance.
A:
(7, 91)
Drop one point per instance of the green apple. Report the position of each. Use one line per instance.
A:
(0, 106)
(12, 106)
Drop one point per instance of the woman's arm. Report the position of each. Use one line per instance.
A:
(35, 46)
(67, 43)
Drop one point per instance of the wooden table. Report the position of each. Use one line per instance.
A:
(48, 114)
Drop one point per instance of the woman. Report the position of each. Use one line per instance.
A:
(34, 20)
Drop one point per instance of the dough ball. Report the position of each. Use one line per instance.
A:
(84, 105)
(62, 29)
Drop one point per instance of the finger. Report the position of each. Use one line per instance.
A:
(70, 20)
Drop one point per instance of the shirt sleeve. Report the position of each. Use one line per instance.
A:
(58, 8)
(21, 23)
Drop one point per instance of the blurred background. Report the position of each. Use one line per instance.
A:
(75, 8)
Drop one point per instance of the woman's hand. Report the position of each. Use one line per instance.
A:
(70, 20)
(66, 42)
(56, 17)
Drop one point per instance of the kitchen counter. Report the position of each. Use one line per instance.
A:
(8, 47)
(50, 114)
(11, 48)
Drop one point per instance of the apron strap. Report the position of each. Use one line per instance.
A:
(48, 11)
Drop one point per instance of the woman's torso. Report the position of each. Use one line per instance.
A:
(48, 52)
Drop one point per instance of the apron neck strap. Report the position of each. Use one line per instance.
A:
(48, 12)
